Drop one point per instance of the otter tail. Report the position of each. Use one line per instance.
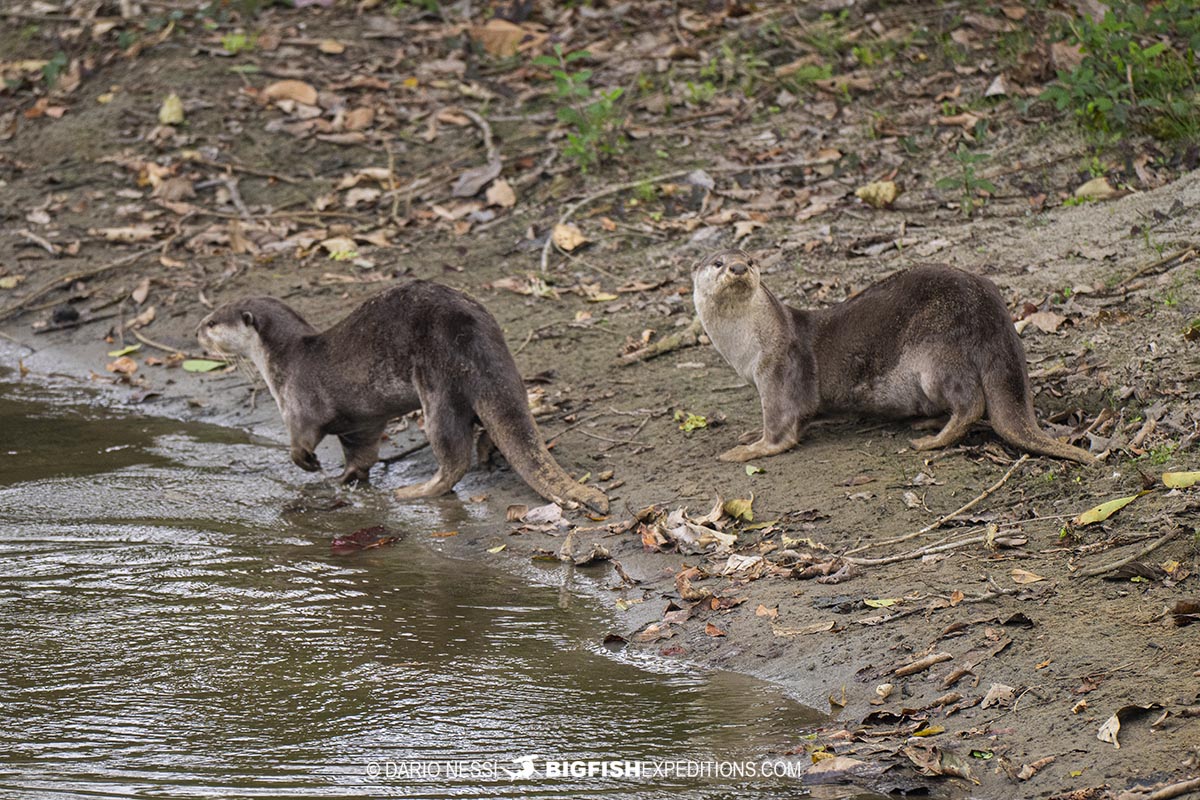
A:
(517, 437)
(1010, 410)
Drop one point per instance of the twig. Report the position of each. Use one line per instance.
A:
(632, 436)
(231, 165)
(403, 454)
(1166, 792)
(979, 598)
(146, 340)
(45, 244)
(943, 520)
(918, 553)
(70, 278)
(485, 128)
(622, 187)
(615, 442)
(1145, 551)
(678, 340)
(77, 323)
(1182, 256)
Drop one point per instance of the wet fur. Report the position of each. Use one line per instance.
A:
(927, 342)
(417, 345)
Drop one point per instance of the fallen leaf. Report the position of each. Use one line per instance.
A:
(744, 228)
(753, 470)
(502, 38)
(1046, 321)
(713, 630)
(998, 695)
(331, 47)
(299, 91)
(883, 603)
(879, 194)
(124, 351)
(1096, 189)
(143, 319)
(1023, 576)
(201, 365)
(363, 539)
(806, 630)
(1180, 480)
(124, 365)
(740, 508)
(141, 292)
(1105, 510)
(769, 613)
(171, 110)
(567, 236)
(1034, 767)
(501, 194)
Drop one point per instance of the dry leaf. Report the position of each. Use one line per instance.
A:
(298, 91)
(713, 630)
(331, 46)
(501, 193)
(502, 38)
(567, 236)
(124, 365)
(879, 194)
(1096, 189)
(769, 613)
(1025, 576)
(471, 181)
(142, 291)
(1046, 321)
(744, 228)
(171, 110)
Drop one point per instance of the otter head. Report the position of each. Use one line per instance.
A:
(726, 277)
(241, 327)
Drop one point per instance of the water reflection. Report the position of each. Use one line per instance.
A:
(167, 629)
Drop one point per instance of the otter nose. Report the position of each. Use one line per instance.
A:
(738, 268)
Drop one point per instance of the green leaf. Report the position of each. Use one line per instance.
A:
(1105, 510)
(882, 603)
(753, 470)
(124, 351)
(201, 365)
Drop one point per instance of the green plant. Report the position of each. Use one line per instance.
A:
(701, 94)
(1138, 73)
(645, 192)
(424, 6)
(234, 43)
(53, 68)
(593, 114)
(967, 182)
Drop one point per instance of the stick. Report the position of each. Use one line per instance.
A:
(1145, 551)
(262, 173)
(918, 553)
(688, 337)
(146, 340)
(68, 279)
(943, 520)
(622, 187)
(1166, 792)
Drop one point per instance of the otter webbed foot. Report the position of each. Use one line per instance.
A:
(305, 459)
(759, 449)
(355, 475)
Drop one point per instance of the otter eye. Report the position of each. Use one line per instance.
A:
(719, 263)
(212, 323)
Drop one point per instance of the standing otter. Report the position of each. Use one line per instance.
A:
(417, 345)
(922, 343)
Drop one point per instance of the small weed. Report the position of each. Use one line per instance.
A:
(1138, 74)
(592, 114)
(1078, 201)
(53, 69)
(423, 6)
(701, 94)
(969, 185)
(645, 192)
(804, 77)
(1170, 299)
(234, 43)
(1161, 454)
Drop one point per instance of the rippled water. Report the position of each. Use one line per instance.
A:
(169, 628)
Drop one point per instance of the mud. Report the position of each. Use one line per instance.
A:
(1074, 650)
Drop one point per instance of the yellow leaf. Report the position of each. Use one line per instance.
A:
(1180, 480)
(1105, 510)
(879, 194)
(331, 46)
(932, 730)
(740, 508)
(171, 110)
(883, 603)
(497, 548)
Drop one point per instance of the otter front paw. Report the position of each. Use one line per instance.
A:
(738, 454)
(305, 460)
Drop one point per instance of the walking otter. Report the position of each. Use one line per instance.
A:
(924, 342)
(417, 345)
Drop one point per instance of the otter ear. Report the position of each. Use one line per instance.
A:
(248, 318)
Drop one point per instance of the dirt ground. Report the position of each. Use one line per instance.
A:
(984, 653)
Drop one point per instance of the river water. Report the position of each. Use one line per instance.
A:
(173, 623)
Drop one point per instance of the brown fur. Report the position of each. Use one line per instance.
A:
(925, 342)
(417, 345)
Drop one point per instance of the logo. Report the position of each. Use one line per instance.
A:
(527, 770)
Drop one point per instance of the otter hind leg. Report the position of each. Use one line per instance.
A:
(964, 414)
(449, 428)
(361, 451)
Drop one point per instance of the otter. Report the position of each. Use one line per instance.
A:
(416, 345)
(925, 342)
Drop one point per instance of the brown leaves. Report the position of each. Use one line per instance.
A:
(294, 90)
